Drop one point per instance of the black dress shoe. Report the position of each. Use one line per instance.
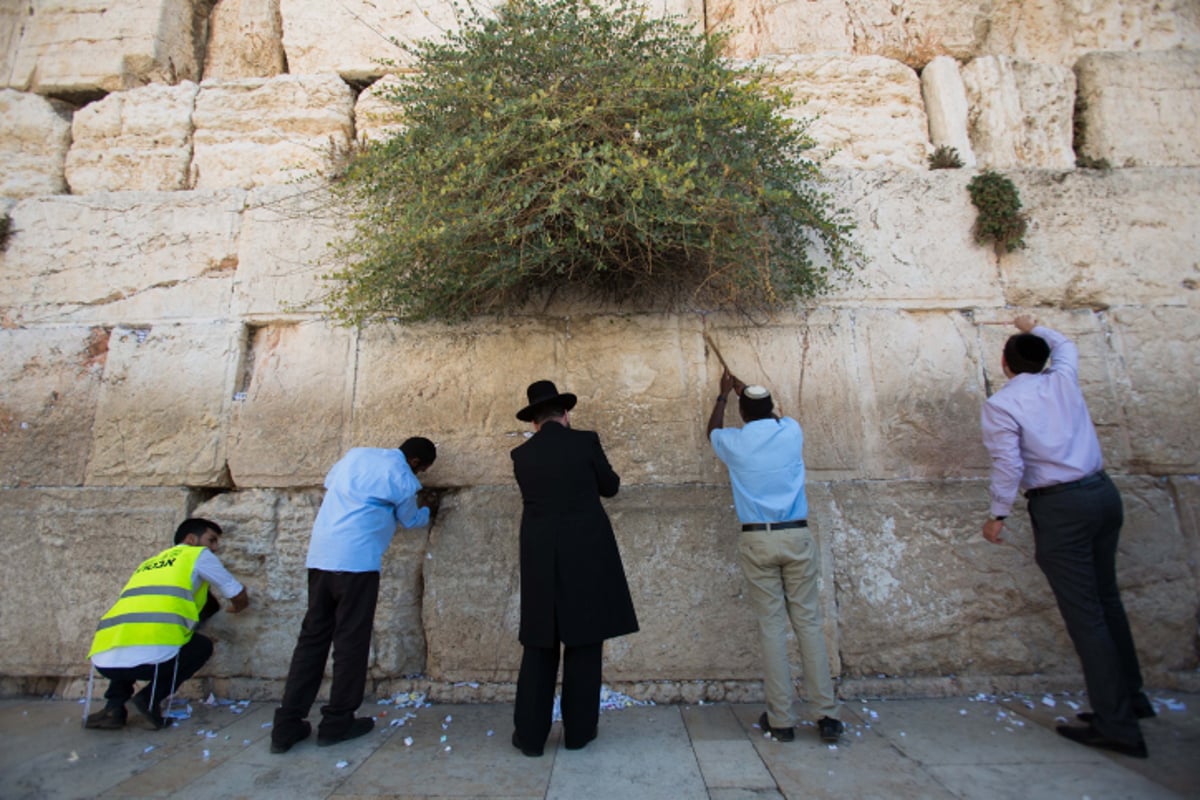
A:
(1093, 738)
(778, 734)
(361, 726)
(1142, 709)
(282, 739)
(571, 744)
(528, 751)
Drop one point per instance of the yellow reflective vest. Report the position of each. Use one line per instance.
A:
(158, 606)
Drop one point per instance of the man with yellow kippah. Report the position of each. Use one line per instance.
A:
(150, 633)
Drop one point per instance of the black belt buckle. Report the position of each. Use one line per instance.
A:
(774, 526)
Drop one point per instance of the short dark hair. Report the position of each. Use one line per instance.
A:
(195, 526)
(755, 403)
(420, 448)
(1026, 352)
(548, 411)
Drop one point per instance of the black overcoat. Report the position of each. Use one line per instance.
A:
(571, 570)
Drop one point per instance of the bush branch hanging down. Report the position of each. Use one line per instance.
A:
(564, 143)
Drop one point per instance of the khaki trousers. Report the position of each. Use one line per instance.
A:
(781, 569)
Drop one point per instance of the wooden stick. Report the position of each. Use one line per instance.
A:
(712, 346)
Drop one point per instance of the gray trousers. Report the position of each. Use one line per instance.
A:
(1076, 532)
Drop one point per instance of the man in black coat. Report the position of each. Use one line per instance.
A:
(573, 587)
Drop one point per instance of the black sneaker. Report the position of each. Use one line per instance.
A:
(149, 717)
(778, 734)
(283, 738)
(830, 728)
(361, 726)
(107, 719)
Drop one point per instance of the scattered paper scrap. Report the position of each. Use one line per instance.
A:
(342, 764)
(408, 740)
(1049, 701)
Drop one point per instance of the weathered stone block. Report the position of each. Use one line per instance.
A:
(912, 570)
(98, 536)
(291, 415)
(866, 111)
(679, 547)
(1060, 31)
(88, 46)
(283, 251)
(137, 140)
(13, 16)
(260, 131)
(245, 40)
(915, 233)
(946, 107)
(1140, 109)
(1095, 239)
(163, 412)
(35, 134)
(1021, 113)
(51, 378)
(121, 258)
(1159, 394)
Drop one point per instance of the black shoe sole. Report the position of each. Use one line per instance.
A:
(1092, 738)
(360, 727)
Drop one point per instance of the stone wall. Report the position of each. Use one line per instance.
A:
(163, 351)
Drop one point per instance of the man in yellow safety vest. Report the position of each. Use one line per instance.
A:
(150, 633)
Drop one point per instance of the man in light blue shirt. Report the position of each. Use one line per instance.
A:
(778, 555)
(367, 493)
(1040, 435)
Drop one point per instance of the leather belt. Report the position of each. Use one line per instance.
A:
(1094, 478)
(774, 526)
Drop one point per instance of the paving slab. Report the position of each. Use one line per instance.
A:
(965, 748)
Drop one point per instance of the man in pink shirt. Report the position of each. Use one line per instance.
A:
(1040, 435)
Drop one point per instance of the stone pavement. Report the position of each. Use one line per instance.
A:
(978, 747)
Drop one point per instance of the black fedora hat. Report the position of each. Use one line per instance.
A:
(543, 393)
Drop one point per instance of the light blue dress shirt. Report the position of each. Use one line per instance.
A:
(766, 469)
(1037, 427)
(366, 493)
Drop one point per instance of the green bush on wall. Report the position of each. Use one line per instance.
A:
(565, 143)
(1000, 220)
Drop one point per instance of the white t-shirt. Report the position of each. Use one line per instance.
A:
(208, 569)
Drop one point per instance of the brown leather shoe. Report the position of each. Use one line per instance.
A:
(107, 719)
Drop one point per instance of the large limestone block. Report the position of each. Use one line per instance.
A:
(297, 378)
(136, 140)
(1140, 109)
(915, 233)
(51, 377)
(1021, 112)
(283, 251)
(946, 106)
(679, 548)
(13, 16)
(88, 46)
(260, 131)
(1059, 31)
(35, 134)
(912, 32)
(1160, 393)
(865, 111)
(121, 258)
(1096, 239)
(633, 376)
(245, 40)
(361, 39)
(67, 553)
(162, 416)
(1100, 375)
(920, 592)
(1185, 489)
(265, 546)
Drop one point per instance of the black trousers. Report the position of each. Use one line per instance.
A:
(161, 679)
(1076, 533)
(534, 709)
(341, 613)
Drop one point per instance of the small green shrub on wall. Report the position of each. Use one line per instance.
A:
(1000, 220)
(564, 143)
